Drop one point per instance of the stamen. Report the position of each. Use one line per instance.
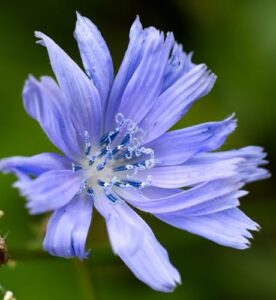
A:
(91, 160)
(119, 118)
(113, 199)
(90, 192)
(88, 144)
(147, 164)
(126, 140)
(123, 145)
(130, 150)
(134, 184)
(108, 185)
(100, 183)
(76, 168)
(83, 186)
(130, 183)
(107, 158)
(108, 189)
(109, 137)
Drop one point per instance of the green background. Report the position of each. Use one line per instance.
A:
(237, 40)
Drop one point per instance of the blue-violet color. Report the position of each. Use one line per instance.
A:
(117, 153)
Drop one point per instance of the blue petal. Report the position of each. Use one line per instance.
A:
(228, 228)
(50, 190)
(153, 192)
(141, 76)
(179, 63)
(201, 199)
(129, 64)
(82, 97)
(68, 228)
(132, 239)
(146, 83)
(172, 104)
(95, 56)
(176, 147)
(34, 165)
(192, 172)
(250, 169)
(44, 102)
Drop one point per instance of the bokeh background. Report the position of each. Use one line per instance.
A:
(237, 40)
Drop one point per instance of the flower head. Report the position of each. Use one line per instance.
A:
(117, 154)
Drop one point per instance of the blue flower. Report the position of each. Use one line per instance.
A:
(118, 153)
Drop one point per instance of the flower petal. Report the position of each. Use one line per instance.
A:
(146, 83)
(68, 228)
(129, 64)
(200, 198)
(228, 228)
(249, 170)
(132, 239)
(50, 190)
(95, 56)
(172, 104)
(192, 172)
(44, 102)
(178, 64)
(176, 147)
(140, 78)
(80, 93)
(34, 165)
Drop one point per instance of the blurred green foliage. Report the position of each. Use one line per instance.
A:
(237, 40)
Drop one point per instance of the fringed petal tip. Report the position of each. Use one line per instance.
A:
(4, 166)
(40, 38)
(247, 237)
(136, 26)
(251, 170)
(8, 165)
(232, 118)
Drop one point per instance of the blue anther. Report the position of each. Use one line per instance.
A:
(90, 192)
(122, 146)
(115, 150)
(103, 151)
(126, 139)
(101, 183)
(135, 184)
(109, 137)
(104, 138)
(107, 158)
(87, 143)
(119, 184)
(139, 165)
(76, 168)
(112, 198)
(83, 186)
(91, 161)
(101, 166)
(120, 168)
(121, 155)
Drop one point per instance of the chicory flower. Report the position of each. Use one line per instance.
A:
(117, 153)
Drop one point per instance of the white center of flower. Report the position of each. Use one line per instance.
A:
(115, 160)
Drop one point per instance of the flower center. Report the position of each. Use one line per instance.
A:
(115, 160)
